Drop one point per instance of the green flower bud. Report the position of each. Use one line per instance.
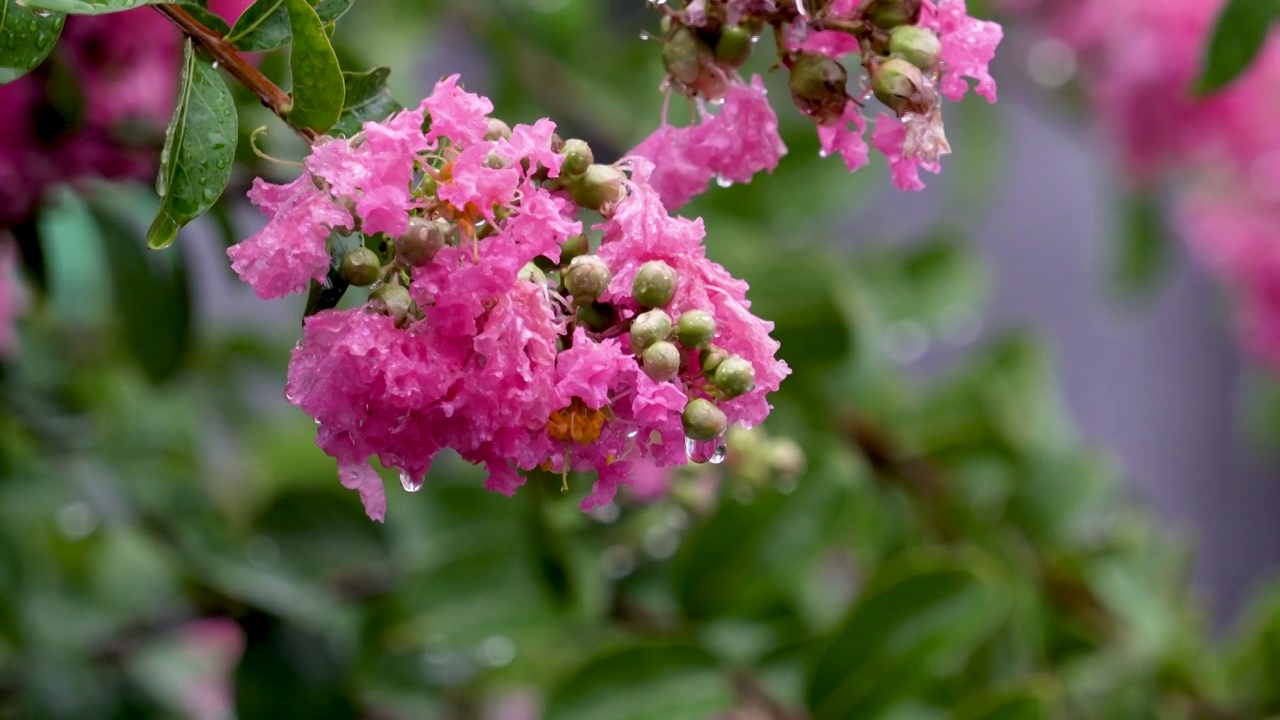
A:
(361, 267)
(818, 86)
(703, 420)
(599, 186)
(573, 247)
(532, 273)
(587, 277)
(711, 358)
(655, 284)
(577, 157)
(661, 361)
(898, 84)
(424, 238)
(684, 55)
(695, 328)
(497, 130)
(428, 186)
(494, 161)
(648, 328)
(597, 316)
(392, 300)
(734, 46)
(735, 376)
(918, 46)
(889, 14)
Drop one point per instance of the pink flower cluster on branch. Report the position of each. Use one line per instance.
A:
(493, 328)
(913, 53)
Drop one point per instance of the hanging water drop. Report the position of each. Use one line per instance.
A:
(42, 12)
(723, 181)
(644, 35)
(719, 454)
(701, 451)
(409, 482)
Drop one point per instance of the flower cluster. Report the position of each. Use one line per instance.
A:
(495, 326)
(913, 53)
(1139, 62)
(97, 107)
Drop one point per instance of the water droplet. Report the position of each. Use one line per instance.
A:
(723, 181)
(822, 153)
(291, 397)
(644, 35)
(701, 451)
(215, 64)
(42, 12)
(719, 454)
(409, 482)
(633, 432)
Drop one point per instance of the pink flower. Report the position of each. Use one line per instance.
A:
(456, 114)
(677, 177)
(968, 47)
(890, 138)
(846, 140)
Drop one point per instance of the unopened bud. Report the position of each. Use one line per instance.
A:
(532, 273)
(735, 376)
(889, 14)
(661, 361)
(898, 84)
(599, 186)
(497, 130)
(361, 267)
(684, 56)
(573, 247)
(734, 46)
(428, 186)
(597, 316)
(918, 46)
(494, 161)
(648, 328)
(703, 420)
(818, 86)
(424, 238)
(577, 157)
(695, 329)
(587, 277)
(711, 358)
(655, 284)
(392, 300)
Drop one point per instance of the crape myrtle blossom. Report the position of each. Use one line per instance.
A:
(913, 53)
(493, 328)
(97, 107)
(1139, 63)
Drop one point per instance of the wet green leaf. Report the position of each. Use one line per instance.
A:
(368, 97)
(318, 88)
(89, 7)
(26, 38)
(264, 25)
(1238, 37)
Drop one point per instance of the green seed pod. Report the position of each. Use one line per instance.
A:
(734, 46)
(655, 284)
(710, 358)
(695, 328)
(587, 277)
(361, 267)
(818, 86)
(703, 420)
(898, 84)
(577, 157)
(735, 376)
(573, 247)
(498, 130)
(532, 273)
(648, 328)
(684, 55)
(428, 186)
(918, 46)
(424, 238)
(392, 300)
(889, 14)
(599, 186)
(661, 361)
(597, 316)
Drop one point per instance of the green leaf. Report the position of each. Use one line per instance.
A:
(89, 7)
(199, 147)
(646, 682)
(264, 25)
(207, 17)
(318, 90)
(915, 624)
(1238, 37)
(153, 302)
(1035, 701)
(29, 37)
(368, 98)
(1143, 251)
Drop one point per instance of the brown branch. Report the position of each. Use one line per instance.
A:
(275, 99)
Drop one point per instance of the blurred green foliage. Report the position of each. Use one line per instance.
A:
(953, 549)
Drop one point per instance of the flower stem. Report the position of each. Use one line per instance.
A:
(275, 99)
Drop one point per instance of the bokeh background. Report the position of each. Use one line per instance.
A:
(1022, 469)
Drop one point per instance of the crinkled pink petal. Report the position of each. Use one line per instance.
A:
(532, 142)
(846, 137)
(361, 477)
(606, 485)
(968, 47)
(589, 369)
(456, 114)
(888, 137)
(676, 177)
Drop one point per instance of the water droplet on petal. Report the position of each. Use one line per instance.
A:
(719, 454)
(409, 482)
(633, 432)
(723, 181)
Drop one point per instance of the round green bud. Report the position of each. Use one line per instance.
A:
(573, 247)
(897, 83)
(494, 161)
(889, 14)
(532, 273)
(818, 86)
(587, 277)
(655, 284)
(577, 157)
(392, 300)
(710, 359)
(599, 186)
(703, 420)
(918, 46)
(734, 45)
(695, 328)
(597, 316)
(498, 130)
(665, 25)
(735, 376)
(648, 328)
(683, 55)
(661, 361)
(428, 186)
(424, 238)
(361, 267)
